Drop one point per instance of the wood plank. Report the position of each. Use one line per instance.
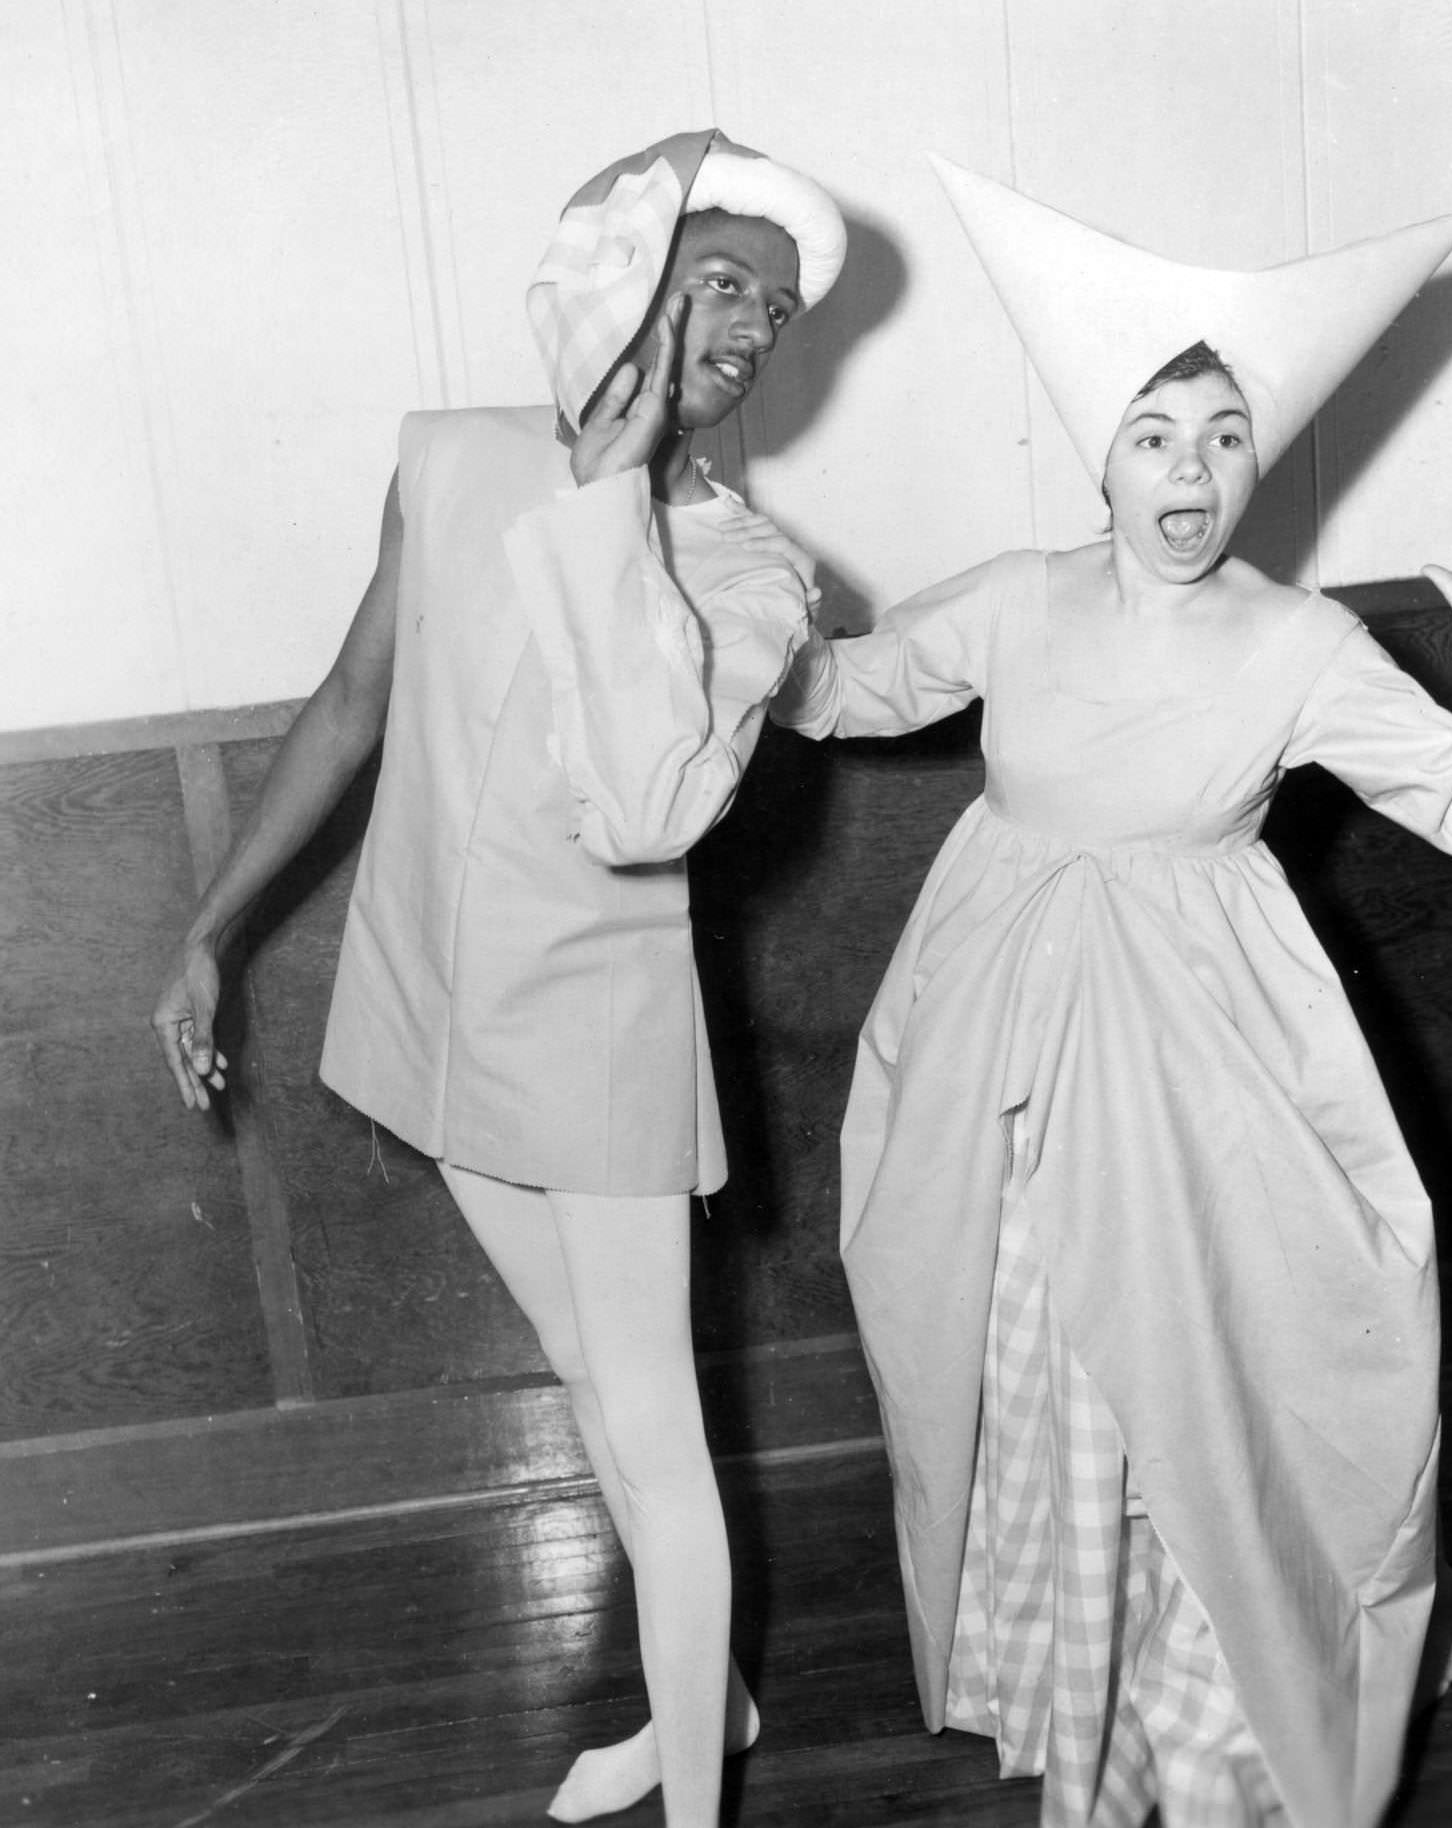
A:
(204, 807)
(421, 1663)
(439, 1671)
(259, 1469)
(1390, 596)
(126, 1285)
(209, 834)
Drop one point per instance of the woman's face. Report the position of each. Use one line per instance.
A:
(739, 277)
(1181, 472)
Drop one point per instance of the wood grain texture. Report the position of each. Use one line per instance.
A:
(126, 1289)
(440, 1672)
(67, 742)
(464, 1442)
(422, 1670)
(209, 836)
(127, 1295)
(95, 868)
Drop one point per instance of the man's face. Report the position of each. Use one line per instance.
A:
(738, 275)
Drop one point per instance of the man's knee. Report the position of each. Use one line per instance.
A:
(659, 1447)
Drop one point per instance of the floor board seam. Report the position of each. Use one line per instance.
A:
(492, 1497)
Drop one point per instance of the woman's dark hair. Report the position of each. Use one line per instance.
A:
(1198, 359)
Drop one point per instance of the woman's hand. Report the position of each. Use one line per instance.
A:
(758, 534)
(1441, 577)
(182, 1024)
(629, 419)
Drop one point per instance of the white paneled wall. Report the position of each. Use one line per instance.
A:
(243, 237)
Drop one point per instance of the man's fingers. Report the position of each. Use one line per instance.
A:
(617, 396)
(168, 1039)
(667, 325)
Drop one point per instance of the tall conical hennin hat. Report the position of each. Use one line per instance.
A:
(1098, 316)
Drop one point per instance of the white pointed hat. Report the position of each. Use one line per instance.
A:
(1099, 316)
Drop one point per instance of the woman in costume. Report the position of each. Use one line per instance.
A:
(1144, 1274)
(572, 635)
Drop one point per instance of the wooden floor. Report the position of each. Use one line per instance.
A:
(268, 1550)
(437, 1669)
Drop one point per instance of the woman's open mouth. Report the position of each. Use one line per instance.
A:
(1185, 530)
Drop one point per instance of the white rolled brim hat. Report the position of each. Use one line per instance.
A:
(749, 184)
(1098, 316)
(602, 271)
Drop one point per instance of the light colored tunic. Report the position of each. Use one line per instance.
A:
(579, 682)
(1108, 997)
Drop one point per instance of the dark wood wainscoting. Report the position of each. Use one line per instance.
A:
(273, 1312)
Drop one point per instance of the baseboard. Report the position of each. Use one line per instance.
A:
(169, 730)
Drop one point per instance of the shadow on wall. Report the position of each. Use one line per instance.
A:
(796, 392)
(872, 286)
(1369, 405)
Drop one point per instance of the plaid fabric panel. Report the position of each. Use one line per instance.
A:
(591, 292)
(1078, 1647)
(1000, 1674)
(1178, 1732)
(1088, 1505)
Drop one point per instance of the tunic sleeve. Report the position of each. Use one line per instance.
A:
(658, 701)
(925, 659)
(1374, 727)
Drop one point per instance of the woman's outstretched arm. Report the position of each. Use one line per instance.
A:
(334, 733)
(925, 659)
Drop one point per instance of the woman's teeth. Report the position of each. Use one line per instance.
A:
(1184, 528)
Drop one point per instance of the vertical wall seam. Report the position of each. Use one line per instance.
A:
(107, 147)
(407, 66)
(420, 180)
(710, 59)
(1025, 388)
(1321, 452)
(746, 432)
(430, 386)
(441, 236)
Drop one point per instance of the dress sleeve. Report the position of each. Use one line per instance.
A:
(1374, 727)
(658, 701)
(925, 659)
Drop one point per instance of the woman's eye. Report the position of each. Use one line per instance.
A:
(1228, 441)
(780, 317)
(723, 282)
(1152, 441)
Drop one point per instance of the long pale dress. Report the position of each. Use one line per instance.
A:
(1119, 1178)
(580, 677)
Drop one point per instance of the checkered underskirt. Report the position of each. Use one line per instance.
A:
(1078, 1647)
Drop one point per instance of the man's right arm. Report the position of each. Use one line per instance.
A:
(330, 739)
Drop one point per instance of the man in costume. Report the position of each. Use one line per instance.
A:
(568, 645)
